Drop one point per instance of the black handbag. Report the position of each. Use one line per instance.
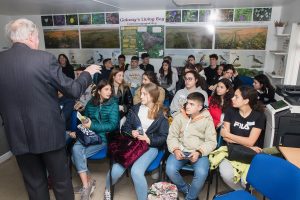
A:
(87, 137)
(240, 153)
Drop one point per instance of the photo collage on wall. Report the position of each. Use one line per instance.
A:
(78, 31)
(80, 19)
(223, 15)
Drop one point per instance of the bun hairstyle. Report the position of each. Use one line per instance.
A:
(153, 90)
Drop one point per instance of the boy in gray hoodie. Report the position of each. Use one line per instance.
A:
(133, 75)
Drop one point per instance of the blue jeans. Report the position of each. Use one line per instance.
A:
(138, 170)
(200, 167)
(80, 154)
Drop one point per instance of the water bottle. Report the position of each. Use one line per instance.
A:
(140, 130)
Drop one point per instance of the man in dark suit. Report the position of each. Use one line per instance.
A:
(33, 121)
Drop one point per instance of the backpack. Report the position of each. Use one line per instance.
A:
(163, 191)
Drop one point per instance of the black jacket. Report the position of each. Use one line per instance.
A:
(29, 81)
(147, 67)
(69, 71)
(157, 132)
(124, 99)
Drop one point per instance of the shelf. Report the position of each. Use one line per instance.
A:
(274, 76)
(283, 35)
(278, 52)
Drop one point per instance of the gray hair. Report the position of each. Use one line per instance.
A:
(20, 30)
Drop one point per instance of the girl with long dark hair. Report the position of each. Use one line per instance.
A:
(244, 125)
(265, 90)
(220, 101)
(102, 117)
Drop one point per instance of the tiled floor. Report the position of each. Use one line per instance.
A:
(12, 186)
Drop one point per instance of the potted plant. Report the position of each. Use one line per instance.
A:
(279, 25)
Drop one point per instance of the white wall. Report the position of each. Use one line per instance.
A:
(290, 14)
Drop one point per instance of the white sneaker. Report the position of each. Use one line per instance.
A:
(107, 195)
(155, 175)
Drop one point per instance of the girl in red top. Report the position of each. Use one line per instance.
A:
(220, 100)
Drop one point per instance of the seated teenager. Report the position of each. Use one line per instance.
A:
(149, 77)
(145, 65)
(103, 116)
(105, 72)
(149, 116)
(243, 124)
(265, 90)
(174, 70)
(200, 70)
(167, 78)
(231, 74)
(192, 136)
(121, 91)
(220, 101)
(192, 84)
(211, 72)
(121, 63)
(133, 75)
(191, 59)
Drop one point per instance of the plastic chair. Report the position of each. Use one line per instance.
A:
(274, 177)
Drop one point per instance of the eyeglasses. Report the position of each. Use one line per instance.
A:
(188, 79)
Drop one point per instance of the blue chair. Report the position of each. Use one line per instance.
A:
(246, 80)
(157, 163)
(99, 155)
(275, 178)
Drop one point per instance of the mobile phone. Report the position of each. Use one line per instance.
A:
(186, 155)
(140, 130)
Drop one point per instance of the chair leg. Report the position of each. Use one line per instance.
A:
(217, 180)
(112, 187)
(208, 189)
(160, 173)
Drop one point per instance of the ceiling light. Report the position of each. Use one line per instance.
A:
(107, 4)
(205, 3)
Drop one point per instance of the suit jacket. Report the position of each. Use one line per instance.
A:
(29, 81)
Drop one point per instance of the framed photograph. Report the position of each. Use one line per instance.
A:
(85, 19)
(100, 38)
(173, 16)
(98, 18)
(262, 14)
(243, 14)
(59, 20)
(55, 39)
(189, 15)
(112, 18)
(225, 15)
(241, 38)
(188, 38)
(204, 15)
(72, 19)
(47, 20)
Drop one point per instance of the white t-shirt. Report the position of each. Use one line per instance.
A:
(143, 115)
